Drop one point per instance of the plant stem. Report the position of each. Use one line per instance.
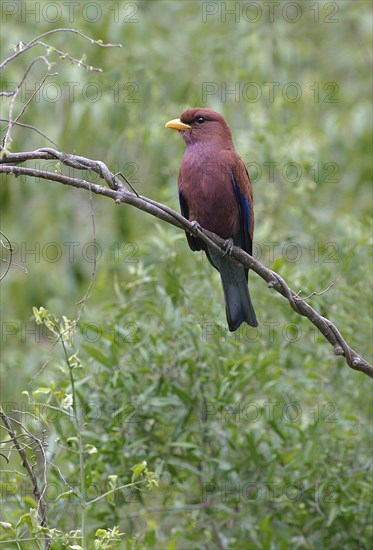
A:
(78, 427)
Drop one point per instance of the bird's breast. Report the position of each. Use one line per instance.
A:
(206, 184)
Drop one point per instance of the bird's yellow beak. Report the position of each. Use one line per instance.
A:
(176, 124)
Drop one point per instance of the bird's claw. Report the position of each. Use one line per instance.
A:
(196, 225)
(228, 247)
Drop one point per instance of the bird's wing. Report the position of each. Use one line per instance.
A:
(243, 190)
(194, 243)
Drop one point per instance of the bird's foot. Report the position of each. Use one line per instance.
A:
(196, 226)
(228, 247)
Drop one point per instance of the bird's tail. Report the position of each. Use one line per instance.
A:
(238, 304)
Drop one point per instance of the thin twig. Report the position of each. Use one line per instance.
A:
(36, 41)
(7, 246)
(13, 100)
(83, 301)
(297, 296)
(11, 121)
(37, 492)
(31, 128)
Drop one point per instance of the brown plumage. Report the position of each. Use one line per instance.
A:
(215, 190)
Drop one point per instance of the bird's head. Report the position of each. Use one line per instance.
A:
(202, 126)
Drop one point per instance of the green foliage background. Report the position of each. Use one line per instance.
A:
(282, 411)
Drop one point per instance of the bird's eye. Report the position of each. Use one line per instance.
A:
(200, 119)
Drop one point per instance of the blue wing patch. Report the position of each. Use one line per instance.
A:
(245, 215)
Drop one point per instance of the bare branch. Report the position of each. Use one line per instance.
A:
(11, 121)
(314, 293)
(37, 492)
(83, 301)
(31, 128)
(9, 164)
(19, 84)
(7, 245)
(21, 48)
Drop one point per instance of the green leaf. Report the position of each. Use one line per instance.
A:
(25, 518)
(137, 470)
(98, 355)
(41, 391)
(101, 533)
(90, 449)
(67, 494)
(186, 398)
